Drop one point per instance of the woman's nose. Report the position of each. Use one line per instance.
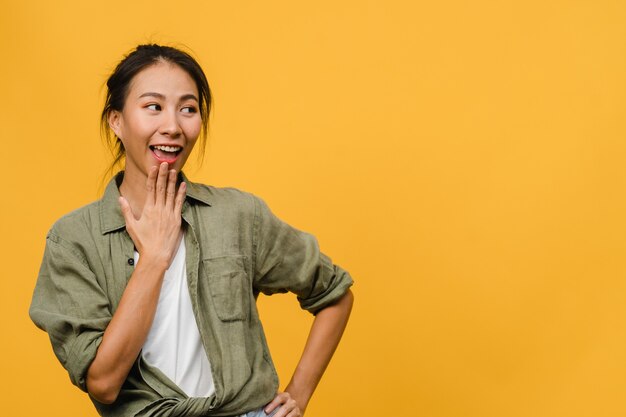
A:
(170, 125)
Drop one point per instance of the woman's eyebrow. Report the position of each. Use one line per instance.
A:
(150, 94)
(188, 97)
(161, 96)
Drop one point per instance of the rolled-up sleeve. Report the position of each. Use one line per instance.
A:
(286, 259)
(69, 304)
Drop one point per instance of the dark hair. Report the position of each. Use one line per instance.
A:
(118, 85)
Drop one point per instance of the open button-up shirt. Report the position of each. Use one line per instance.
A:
(236, 249)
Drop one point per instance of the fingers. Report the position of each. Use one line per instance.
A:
(126, 211)
(180, 197)
(161, 187)
(150, 185)
(161, 184)
(170, 193)
(273, 404)
(288, 406)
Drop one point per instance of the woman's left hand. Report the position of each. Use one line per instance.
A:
(288, 406)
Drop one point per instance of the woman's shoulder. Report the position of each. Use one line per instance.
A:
(227, 198)
(77, 225)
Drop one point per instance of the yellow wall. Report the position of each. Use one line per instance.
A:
(463, 159)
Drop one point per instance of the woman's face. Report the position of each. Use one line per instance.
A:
(160, 121)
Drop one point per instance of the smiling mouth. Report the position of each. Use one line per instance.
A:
(166, 153)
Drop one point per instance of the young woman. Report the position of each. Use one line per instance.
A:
(148, 295)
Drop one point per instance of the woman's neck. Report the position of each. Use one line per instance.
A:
(133, 189)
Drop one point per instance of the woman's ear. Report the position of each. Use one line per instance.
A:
(115, 122)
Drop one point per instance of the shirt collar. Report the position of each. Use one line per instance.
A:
(111, 217)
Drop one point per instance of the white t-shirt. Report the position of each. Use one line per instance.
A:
(173, 344)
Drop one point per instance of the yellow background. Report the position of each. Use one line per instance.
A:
(463, 159)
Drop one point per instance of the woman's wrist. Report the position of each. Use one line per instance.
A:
(152, 266)
(301, 395)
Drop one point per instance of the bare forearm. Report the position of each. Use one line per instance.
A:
(126, 333)
(323, 339)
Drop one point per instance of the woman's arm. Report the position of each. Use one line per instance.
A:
(126, 333)
(323, 339)
(156, 235)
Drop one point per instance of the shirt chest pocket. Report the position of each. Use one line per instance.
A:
(229, 287)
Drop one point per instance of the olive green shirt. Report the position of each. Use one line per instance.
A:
(236, 249)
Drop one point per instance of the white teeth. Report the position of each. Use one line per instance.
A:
(167, 148)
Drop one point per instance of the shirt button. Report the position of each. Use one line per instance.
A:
(131, 261)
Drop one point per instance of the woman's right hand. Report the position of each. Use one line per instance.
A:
(156, 231)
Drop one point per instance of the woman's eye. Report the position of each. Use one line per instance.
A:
(154, 107)
(189, 109)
